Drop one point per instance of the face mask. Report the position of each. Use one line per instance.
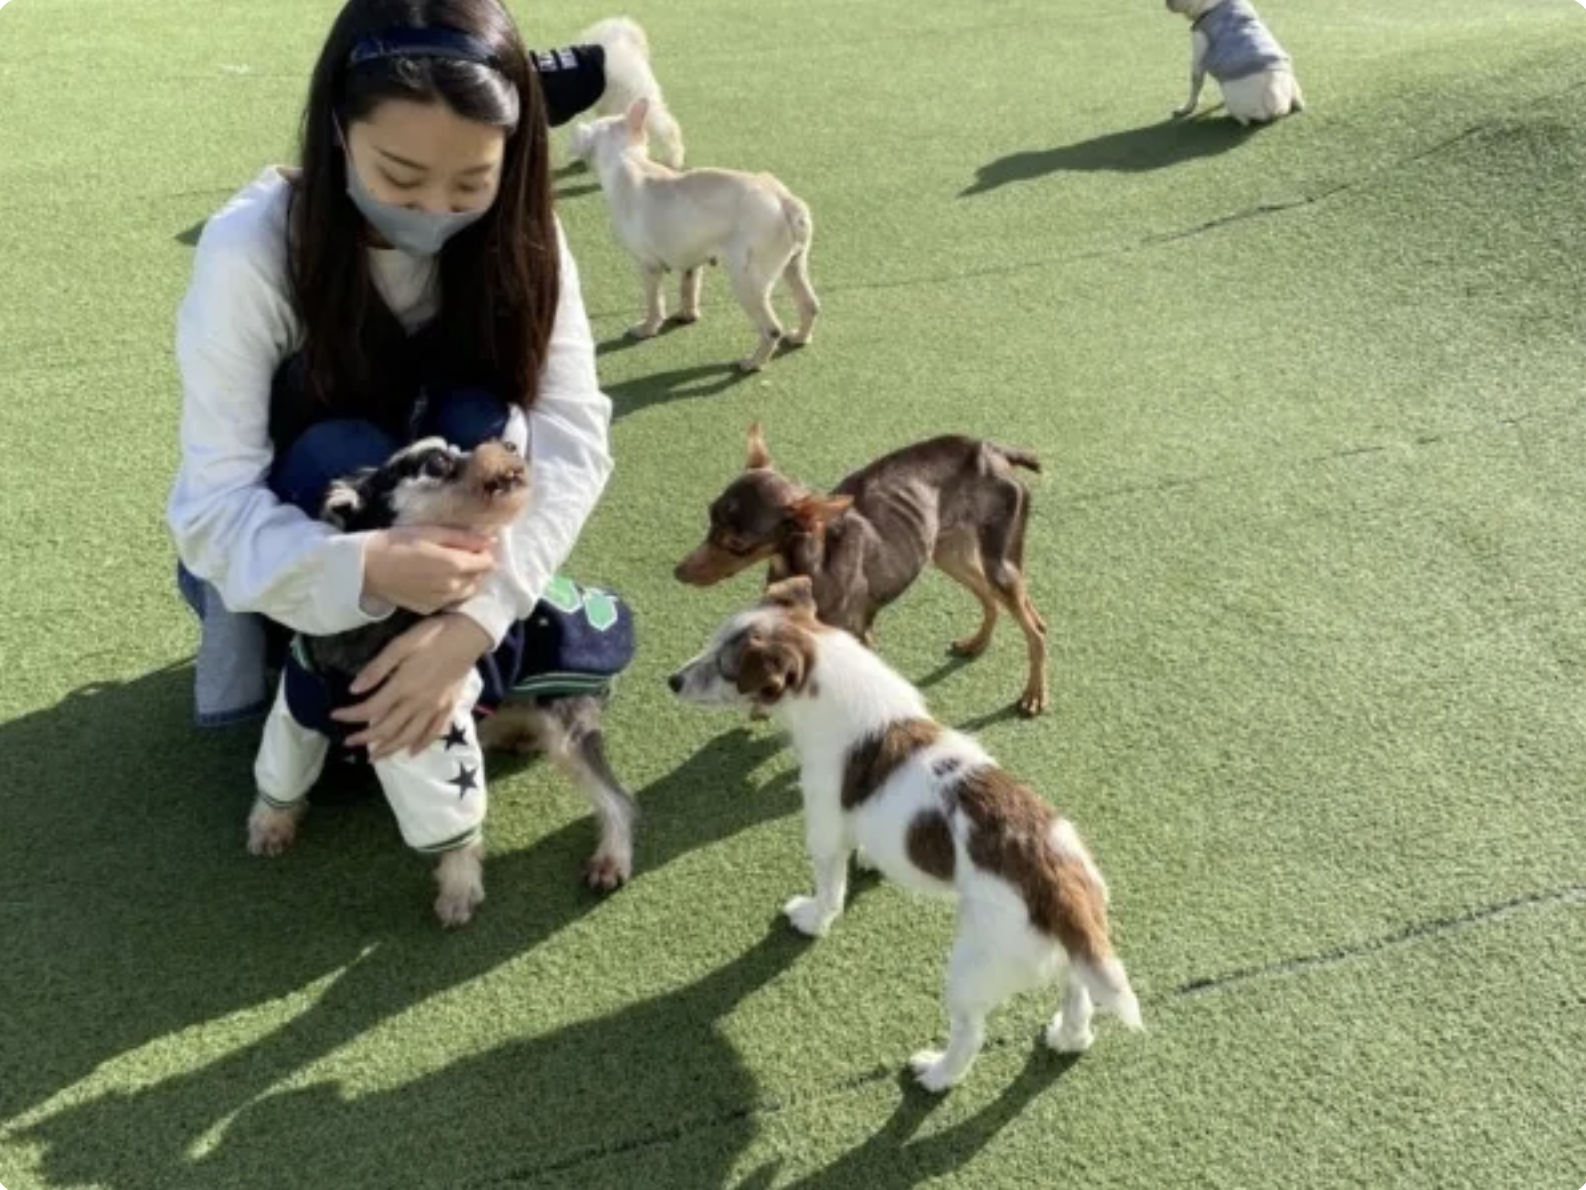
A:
(417, 233)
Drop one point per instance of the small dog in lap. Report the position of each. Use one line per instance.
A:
(1230, 42)
(542, 690)
(930, 809)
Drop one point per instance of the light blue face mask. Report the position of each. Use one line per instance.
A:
(417, 233)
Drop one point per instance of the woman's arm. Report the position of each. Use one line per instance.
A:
(233, 328)
(569, 457)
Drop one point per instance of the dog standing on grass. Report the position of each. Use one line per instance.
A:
(1230, 42)
(675, 222)
(629, 78)
(952, 500)
(930, 809)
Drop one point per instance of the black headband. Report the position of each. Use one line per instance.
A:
(434, 42)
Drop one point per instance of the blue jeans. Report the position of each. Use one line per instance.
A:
(328, 450)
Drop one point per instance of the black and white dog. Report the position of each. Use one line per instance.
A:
(541, 691)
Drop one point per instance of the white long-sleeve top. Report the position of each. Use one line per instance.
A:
(234, 328)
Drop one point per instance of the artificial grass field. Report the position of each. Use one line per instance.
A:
(1309, 537)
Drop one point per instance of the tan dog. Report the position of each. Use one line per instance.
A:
(680, 222)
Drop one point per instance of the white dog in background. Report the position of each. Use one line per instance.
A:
(930, 809)
(680, 222)
(630, 78)
(1230, 42)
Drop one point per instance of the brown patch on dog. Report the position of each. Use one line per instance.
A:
(795, 596)
(876, 757)
(776, 662)
(813, 512)
(930, 845)
(1012, 837)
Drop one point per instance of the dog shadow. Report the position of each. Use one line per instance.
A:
(680, 384)
(191, 235)
(1136, 150)
(132, 914)
(893, 1160)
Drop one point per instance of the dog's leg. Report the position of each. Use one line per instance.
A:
(1002, 559)
(976, 983)
(826, 837)
(959, 559)
(1198, 46)
(1070, 1031)
(460, 875)
(654, 304)
(688, 296)
(289, 761)
(753, 291)
(797, 276)
(569, 732)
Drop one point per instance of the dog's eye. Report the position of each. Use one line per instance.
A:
(438, 466)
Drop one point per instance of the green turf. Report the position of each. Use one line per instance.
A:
(1309, 538)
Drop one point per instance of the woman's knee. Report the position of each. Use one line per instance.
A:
(326, 451)
(466, 417)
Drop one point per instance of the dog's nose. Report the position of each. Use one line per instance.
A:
(676, 683)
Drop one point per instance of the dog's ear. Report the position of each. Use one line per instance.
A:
(795, 595)
(759, 456)
(343, 501)
(772, 666)
(815, 511)
(638, 110)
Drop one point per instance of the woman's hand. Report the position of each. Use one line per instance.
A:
(423, 671)
(424, 569)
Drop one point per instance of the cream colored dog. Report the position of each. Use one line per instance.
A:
(680, 222)
(1230, 42)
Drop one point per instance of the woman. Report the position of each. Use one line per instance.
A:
(409, 279)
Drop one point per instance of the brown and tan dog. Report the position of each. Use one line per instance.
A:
(953, 500)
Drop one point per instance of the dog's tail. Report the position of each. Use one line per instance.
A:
(1108, 984)
(799, 220)
(1018, 457)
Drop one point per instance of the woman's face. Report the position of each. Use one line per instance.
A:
(426, 157)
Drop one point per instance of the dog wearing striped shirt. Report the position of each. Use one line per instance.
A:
(931, 810)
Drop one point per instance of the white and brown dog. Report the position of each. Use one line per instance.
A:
(675, 222)
(930, 809)
(1230, 42)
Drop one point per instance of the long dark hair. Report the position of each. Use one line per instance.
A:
(498, 278)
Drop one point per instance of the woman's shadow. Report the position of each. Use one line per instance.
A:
(1137, 150)
(133, 914)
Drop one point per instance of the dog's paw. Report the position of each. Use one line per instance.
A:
(970, 646)
(608, 870)
(1063, 1040)
(930, 1071)
(1032, 702)
(805, 915)
(863, 862)
(1183, 113)
(684, 318)
(644, 330)
(749, 364)
(271, 831)
(456, 904)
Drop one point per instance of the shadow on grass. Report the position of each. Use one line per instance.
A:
(680, 384)
(1137, 150)
(190, 236)
(132, 914)
(893, 1160)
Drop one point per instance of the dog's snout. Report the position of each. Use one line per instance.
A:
(675, 683)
